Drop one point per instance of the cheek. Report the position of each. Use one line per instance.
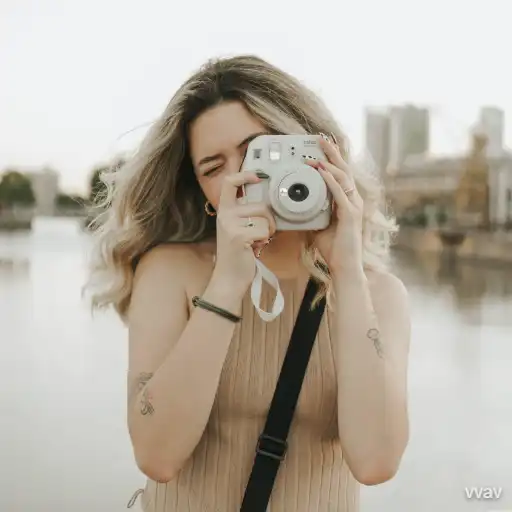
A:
(211, 189)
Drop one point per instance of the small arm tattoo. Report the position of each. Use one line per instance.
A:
(374, 335)
(142, 380)
(146, 407)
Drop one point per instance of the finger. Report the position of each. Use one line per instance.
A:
(345, 181)
(257, 233)
(231, 184)
(259, 247)
(340, 197)
(333, 155)
(256, 229)
(255, 211)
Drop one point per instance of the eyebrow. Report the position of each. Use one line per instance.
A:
(247, 140)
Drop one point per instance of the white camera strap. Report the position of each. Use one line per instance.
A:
(264, 274)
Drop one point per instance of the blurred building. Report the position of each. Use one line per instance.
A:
(45, 185)
(500, 187)
(396, 133)
(424, 180)
(425, 183)
(377, 137)
(409, 133)
(491, 122)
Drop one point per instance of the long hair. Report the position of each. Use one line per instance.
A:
(155, 197)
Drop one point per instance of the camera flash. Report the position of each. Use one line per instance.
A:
(275, 151)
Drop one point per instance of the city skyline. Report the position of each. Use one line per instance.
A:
(396, 132)
(77, 79)
(388, 131)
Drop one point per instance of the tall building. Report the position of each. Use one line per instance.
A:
(45, 185)
(377, 137)
(492, 123)
(409, 133)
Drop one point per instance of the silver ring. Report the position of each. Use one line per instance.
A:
(249, 223)
(349, 191)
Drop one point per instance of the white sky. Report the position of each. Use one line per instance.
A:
(76, 76)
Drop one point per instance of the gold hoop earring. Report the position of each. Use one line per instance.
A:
(208, 208)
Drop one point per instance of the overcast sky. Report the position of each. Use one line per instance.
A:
(76, 76)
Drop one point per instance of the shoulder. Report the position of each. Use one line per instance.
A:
(386, 287)
(182, 261)
(384, 280)
(177, 269)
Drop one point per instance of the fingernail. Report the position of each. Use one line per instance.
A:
(262, 175)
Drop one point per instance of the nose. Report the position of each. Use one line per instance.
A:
(234, 165)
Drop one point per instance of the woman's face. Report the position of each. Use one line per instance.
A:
(218, 142)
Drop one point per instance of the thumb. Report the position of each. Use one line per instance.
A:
(258, 247)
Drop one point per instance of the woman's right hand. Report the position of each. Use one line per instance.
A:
(237, 240)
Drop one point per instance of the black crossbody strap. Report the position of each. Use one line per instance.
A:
(271, 447)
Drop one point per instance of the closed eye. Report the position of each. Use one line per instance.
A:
(210, 172)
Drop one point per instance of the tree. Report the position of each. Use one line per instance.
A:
(16, 189)
(97, 188)
(70, 201)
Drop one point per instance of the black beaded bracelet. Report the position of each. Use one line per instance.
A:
(198, 302)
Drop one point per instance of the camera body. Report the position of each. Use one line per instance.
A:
(295, 192)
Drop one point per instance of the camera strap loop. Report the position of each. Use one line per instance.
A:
(264, 274)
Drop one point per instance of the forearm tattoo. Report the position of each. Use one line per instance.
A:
(146, 407)
(374, 335)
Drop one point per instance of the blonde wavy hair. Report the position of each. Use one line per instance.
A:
(155, 198)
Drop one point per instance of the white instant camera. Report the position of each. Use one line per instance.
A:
(295, 192)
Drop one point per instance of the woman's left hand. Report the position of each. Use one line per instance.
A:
(341, 244)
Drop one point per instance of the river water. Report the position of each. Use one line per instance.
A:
(63, 438)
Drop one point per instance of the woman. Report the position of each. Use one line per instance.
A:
(200, 385)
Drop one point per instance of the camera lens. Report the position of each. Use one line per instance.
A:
(298, 192)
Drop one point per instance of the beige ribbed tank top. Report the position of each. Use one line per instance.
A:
(314, 476)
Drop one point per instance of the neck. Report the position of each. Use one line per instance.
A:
(282, 255)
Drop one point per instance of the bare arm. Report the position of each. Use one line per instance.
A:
(372, 326)
(175, 362)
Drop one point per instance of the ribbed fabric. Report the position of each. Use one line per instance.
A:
(314, 476)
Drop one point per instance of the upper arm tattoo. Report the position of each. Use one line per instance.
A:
(374, 335)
